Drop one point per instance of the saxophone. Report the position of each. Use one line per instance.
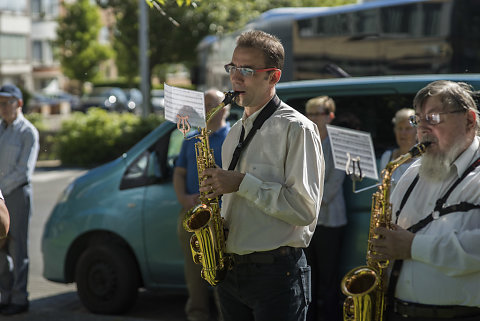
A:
(365, 286)
(208, 241)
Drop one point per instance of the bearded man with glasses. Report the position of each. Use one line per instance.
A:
(436, 208)
(272, 185)
(19, 147)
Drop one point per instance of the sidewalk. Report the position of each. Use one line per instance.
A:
(54, 163)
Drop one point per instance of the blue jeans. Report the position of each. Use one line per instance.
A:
(263, 286)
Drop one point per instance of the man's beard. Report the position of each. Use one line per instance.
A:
(436, 167)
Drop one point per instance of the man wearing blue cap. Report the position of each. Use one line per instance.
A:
(19, 147)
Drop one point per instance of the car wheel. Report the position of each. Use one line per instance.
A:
(107, 279)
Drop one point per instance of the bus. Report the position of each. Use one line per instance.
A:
(385, 37)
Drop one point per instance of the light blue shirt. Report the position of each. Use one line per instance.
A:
(19, 145)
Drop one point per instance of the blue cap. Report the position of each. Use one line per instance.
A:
(11, 91)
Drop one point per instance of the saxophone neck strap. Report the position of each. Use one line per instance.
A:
(266, 112)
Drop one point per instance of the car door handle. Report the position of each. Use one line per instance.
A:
(131, 205)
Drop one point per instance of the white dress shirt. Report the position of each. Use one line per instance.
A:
(278, 201)
(445, 264)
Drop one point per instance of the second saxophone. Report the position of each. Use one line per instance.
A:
(364, 285)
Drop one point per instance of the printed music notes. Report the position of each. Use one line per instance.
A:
(353, 148)
(184, 107)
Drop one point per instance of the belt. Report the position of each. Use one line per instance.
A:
(266, 257)
(417, 310)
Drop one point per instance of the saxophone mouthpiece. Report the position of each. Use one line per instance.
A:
(230, 96)
(419, 149)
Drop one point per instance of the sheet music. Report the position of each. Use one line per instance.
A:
(358, 144)
(181, 103)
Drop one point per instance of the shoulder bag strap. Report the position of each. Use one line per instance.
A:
(266, 112)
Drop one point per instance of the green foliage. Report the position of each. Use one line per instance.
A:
(77, 39)
(180, 3)
(98, 136)
(46, 136)
(37, 120)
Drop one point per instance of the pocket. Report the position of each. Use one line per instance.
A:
(306, 278)
(266, 172)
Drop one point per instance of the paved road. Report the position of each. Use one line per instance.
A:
(52, 301)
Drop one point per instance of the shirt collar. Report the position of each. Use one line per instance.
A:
(247, 122)
(467, 157)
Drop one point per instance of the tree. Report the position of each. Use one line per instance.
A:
(172, 43)
(80, 53)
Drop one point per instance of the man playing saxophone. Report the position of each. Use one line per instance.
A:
(436, 208)
(272, 184)
(185, 182)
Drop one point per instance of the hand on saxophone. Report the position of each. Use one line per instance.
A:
(395, 243)
(189, 200)
(217, 181)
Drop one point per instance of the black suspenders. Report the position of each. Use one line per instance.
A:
(438, 211)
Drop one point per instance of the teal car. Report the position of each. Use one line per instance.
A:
(113, 229)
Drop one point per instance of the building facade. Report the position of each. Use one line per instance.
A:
(15, 43)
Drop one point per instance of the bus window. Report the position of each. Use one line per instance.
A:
(431, 19)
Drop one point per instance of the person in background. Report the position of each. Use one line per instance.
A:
(4, 220)
(272, 185)
(436, 205)
(18, 155)
(324, 251)
(185, 182)
(406, 138)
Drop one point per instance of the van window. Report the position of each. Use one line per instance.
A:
(369, 113)
(154, 165)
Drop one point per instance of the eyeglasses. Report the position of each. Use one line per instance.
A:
(246, 72)
(7, 103)
(323, 113)
(432, 118)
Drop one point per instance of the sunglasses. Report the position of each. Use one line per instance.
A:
(244, 71)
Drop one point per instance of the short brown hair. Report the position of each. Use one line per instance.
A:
(270, 45)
